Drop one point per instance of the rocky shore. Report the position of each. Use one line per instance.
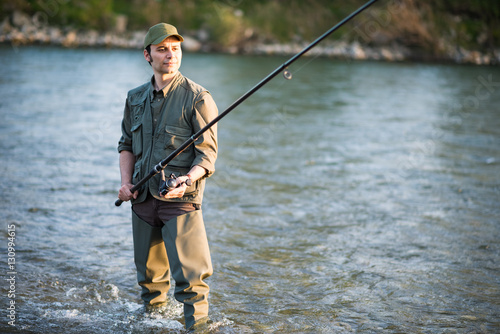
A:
(21, 29)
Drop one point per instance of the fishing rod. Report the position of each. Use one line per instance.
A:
(282, 68)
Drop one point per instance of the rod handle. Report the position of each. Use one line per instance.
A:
(119, 202)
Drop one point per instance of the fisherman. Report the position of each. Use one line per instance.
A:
(168, 230)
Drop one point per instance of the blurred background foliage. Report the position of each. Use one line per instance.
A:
(424, 24)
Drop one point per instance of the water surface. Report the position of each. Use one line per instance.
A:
(359, 197)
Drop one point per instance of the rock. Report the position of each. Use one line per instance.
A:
(387, 55)
(136, 40)
(70, 39)
(5, 26)
(17, 37)
(357, 51)
(89, 38)
(20, 19)
(55, 35)
(41, 36)
(191, 44)
(121, 23)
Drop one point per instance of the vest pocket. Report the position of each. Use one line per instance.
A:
(137, 172)
(174, 138)
(137, 139)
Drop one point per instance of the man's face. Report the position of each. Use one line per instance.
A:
(165, 57)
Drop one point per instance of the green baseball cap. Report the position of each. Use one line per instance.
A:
(159, 32)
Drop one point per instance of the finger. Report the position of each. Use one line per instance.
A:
(175, 193)
(123, 198)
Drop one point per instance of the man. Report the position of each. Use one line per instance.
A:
(168, 231)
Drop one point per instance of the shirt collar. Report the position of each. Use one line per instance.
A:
(152, 90)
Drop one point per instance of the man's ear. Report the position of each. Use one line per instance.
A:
(147, 56)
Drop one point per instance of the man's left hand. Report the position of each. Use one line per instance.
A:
(178, 191)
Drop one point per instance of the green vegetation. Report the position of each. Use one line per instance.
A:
(476, 22)
(89, 14)
(423, 24)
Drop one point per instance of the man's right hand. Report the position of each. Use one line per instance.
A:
(125, 194)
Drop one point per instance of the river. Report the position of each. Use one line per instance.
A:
(358, 197)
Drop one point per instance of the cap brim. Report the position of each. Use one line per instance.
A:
(164, 37)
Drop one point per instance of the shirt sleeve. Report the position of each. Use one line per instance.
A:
(125, 142)
(205, 146)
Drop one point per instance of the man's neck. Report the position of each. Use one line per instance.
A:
(163, 80)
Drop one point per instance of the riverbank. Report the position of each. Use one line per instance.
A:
(21, 29)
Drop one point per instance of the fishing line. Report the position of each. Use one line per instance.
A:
(283, 68)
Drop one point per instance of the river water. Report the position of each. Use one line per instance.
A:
(358, 197)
